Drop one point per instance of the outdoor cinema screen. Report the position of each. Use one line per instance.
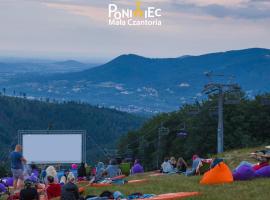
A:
(52, 148)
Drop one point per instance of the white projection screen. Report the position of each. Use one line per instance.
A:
(53, 148)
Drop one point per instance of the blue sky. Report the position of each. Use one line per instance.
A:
(78, 29)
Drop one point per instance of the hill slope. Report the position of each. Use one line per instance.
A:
(104, 126)
(138, 84)
(241, 190)
(245, 125)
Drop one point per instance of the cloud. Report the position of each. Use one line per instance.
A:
(212, 2)
(92, 12)
(182, 85)
(237, 9)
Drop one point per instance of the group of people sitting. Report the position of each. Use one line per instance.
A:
(200, 165)
(180, 166)
(31, 182)
(113, 170)
(49, 186)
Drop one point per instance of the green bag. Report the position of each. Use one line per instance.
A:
(125, 168)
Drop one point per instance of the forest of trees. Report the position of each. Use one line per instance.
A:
(103, 126)
(193, 130)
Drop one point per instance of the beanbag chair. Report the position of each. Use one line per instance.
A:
(218, 175)
(99, 184)
(81, 190)
(263, 172)
(8, 181)
(171, 196)
(33, 178)
(2, 188)
(74, 166)
(125, 168)
(118, 177)
(35, 172)
(244, 173)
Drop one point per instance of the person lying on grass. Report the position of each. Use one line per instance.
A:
(262, 156)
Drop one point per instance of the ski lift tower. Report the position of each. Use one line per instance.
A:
(220, 89)
(162, 131)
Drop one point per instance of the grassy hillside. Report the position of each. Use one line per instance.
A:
(246, 124)
(245, 190)
(104, 126)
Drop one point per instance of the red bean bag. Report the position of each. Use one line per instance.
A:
(118, 177)
(220, 174)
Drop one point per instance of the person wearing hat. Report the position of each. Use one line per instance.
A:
(70, 190)
(29, 192)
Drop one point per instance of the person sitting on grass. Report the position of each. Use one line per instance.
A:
(173, 162)
(70, 190)
(53, 189)
(181, 165)
(63, 179)
(112, 169)
(137, 167)
(81, 171)
(100, 170)
(50, 171)
(195, 163)
(166, 166)
(29, 192)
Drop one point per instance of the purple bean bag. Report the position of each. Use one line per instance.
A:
(137, 168)
(263, 172)
(8, 181)
(244, 173)
(2, 188)
(33, 178)
(35, 172)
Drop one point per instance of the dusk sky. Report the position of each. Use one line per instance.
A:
(78, 29)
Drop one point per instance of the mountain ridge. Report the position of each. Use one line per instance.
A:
(135, 83)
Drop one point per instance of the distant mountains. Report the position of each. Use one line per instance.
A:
(11, 67)
(138, 84)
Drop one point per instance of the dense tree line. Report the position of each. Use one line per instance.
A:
(193, 130)
(103, 126)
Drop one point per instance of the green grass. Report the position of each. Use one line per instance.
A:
(255, 189)
(243, 190)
